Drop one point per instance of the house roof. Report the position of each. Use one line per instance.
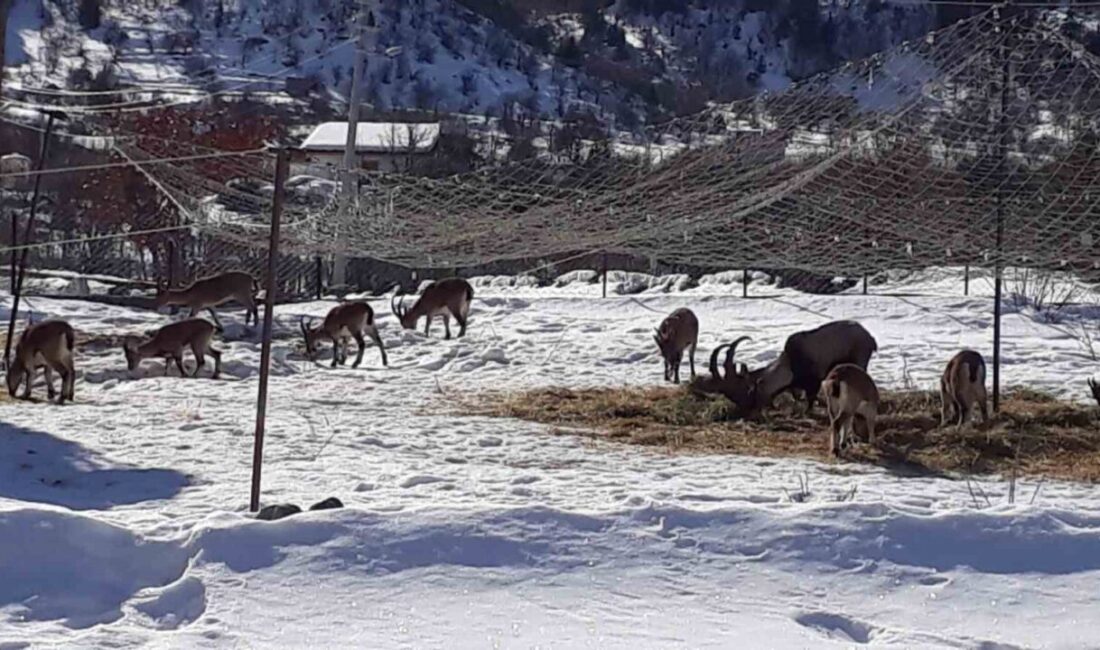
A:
(374, 137)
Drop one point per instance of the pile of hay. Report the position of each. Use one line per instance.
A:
(1035, 434)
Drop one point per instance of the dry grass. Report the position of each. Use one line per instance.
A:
(1034, 434)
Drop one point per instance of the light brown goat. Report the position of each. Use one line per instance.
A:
(349, 319)
(446, 298)
(677, 333)
(49, 344)
(168, 342)
(849, 392)
(215, 290)
(961, 386)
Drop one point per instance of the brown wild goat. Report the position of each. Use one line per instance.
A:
(213, 291)
(806, 359)
(49, 344)
(961, 386)
(677, 333)
(169, 341)
(351, 318)
(446, 298)
(849, 392)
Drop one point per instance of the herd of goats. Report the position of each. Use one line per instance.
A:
(828, 363)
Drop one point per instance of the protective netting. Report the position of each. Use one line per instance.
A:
(906, 159)
(912, 158)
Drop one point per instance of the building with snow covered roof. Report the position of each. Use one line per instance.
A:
(379, 146)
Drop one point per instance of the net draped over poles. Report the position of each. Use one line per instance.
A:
(903, 160)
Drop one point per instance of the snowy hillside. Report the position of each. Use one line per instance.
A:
(621, 62)
(122, 517)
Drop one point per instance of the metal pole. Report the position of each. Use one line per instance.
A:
(269, 308)
(865, 283)
(998, 268)
(18, 271)
(745, 283)
(966, 280)
(348, 186)
(320, 277)
(604, 265)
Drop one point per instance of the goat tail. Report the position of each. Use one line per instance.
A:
(70, 339)
(975, 368)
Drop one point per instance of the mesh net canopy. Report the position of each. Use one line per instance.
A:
(976, 144)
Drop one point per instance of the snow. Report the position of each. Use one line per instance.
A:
(123, 518)
(377, 137)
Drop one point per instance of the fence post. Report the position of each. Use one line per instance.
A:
(173, 263)
(745, 282)
(966, 280)
(269, 307)
(320, 277)
(18, 271)
(603, 264)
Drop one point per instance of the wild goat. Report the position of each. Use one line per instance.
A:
(168, 342)
(849, 392)
(806, 358)
(676, 333)
(961, 386)
(213, 291)
(446, 298)
(352, 318)
(49, 344)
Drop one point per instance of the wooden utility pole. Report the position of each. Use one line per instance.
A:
(5, 9)
(269, 311)
(349, 184)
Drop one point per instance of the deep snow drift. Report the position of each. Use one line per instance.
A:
(123, 519)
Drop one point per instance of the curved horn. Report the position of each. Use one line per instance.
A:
(729, 365)
(393, 305)
(714, 361)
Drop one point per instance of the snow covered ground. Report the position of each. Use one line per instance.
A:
(123, 516)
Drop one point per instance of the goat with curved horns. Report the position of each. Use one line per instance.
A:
(445, 298)
(677, 333)
(169, 341)
(806, 359)
(735, 383)
(215, 290)
(352, 318)
(50, 344)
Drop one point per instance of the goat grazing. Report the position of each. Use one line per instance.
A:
(961, 386)
(213, 291)
(49, 344)
(168, 342)
(849, 392)
(806, 359)
(676, 333)
(446, 298)
(351, 318)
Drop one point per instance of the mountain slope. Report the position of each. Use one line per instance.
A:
(622, 61)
